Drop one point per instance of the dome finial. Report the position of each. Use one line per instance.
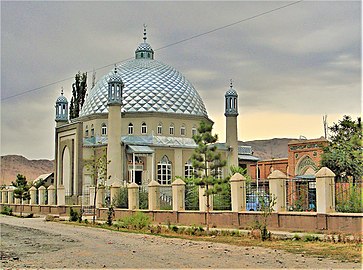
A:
(145, 32)
(62, 90)
(231, 83)
(115, 70)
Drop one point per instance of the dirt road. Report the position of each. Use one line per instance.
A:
(34, 243)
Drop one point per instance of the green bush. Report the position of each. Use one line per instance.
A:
(121, 199)
(7, 211)
(310, 238)
(73, 215)
(110, 214)
(136, 221)
(143, 200)
(354, 202)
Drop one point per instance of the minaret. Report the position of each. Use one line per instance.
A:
(231, 113)
(61, 110)
(114, 154)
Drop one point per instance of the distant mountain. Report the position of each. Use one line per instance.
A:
(268, 149)
(11, 165)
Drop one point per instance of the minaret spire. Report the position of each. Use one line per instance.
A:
(145, 33)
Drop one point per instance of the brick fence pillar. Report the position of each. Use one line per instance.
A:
(114, 192)
(133, 196)
(203, 200)
(154, 195)
(277, 186)
(325, 191)
(61, 195)
(178, 190)
(33, 195)
(51, 195)
(238, 192)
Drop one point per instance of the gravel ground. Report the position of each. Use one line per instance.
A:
(34, 243)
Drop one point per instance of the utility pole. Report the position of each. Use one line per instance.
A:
(325, 123)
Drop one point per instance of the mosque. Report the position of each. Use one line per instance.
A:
(142, 115)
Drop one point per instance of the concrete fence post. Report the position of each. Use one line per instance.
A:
(178, 191)
(133, 196)
(114, 192)
(41, 195)
(92, 196)
(4, 196)
(277, 186)
(100, 197)
(10, 196)
(154, 195)
(51, 195)
(33, 195)
(61, 195)
(238, 192)
(325, 191)
(203, 200)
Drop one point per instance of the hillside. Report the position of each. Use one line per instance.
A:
(267, 149)
(11, 165)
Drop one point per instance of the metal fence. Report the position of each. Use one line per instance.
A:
(254, 195)
(348, 197)
(166, 197)
(300, 195)
(191, 196)
(143, 197)
(222, 200)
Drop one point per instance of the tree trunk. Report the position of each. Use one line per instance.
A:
(21, 206)
(208, 207)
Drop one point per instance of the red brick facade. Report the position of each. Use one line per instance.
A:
(303, 158)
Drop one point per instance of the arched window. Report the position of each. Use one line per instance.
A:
(194, 131)
(143, 128)
(86, 132)
(160, 129)
(171, 129)
(164, 171)
(188, 169)
(104, 129)
(92, 131)
(131, 129)
(182, 130)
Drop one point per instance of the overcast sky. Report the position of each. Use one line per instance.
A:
(289, 67)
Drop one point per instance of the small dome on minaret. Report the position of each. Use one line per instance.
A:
(61, 108)
(231, 102)
(144, 50)
(115, 86)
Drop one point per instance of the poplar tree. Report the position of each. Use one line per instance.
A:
(207, 164)
(79, 90)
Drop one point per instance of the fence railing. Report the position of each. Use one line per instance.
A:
(300, 195)
(348, 197)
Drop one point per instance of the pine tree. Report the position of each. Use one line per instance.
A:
(21, 190)
(207, 163)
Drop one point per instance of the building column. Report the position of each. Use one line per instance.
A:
(178, 190)
(133, 196)
(203, 200)
(154, 195)
(61, 195)
(33, 195)
(178, 162)
(277, 186)
(325, 191)
(51, 195)
(114, 192)
(238, 192)
(41, 195)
